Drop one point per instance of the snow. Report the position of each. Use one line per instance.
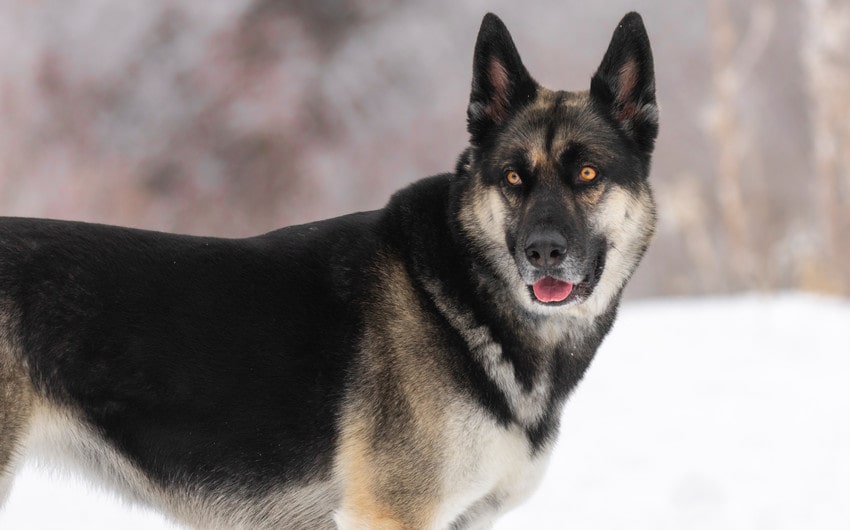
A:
(697, 413)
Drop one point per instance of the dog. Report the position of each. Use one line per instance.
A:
(399, 368)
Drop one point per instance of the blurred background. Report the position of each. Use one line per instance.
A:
(235, 117)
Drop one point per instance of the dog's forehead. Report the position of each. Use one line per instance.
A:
(556, 121)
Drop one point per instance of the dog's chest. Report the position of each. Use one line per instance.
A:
(489, 469)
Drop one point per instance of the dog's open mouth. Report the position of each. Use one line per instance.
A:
(552, 291)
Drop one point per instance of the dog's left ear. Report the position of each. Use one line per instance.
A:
(500, 82)
(624, 84)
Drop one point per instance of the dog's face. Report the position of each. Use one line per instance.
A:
(557, 196)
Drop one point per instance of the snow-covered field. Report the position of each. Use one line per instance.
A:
(712, 413)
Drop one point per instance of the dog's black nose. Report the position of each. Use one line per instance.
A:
(545, 249)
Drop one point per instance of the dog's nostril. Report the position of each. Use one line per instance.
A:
(546, 250)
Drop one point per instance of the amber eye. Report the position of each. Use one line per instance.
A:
(512, 177)
(587, 173)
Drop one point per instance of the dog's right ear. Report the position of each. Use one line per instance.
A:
(500, 82)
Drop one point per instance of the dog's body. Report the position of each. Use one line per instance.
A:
(403, 368)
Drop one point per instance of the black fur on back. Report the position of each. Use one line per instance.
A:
(198, 357)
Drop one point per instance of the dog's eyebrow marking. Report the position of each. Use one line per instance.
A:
(570, 153)
(534, 158)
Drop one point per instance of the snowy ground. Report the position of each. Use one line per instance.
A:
(696, 414)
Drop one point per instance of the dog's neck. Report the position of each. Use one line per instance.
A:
(531, 361)
(534, 363)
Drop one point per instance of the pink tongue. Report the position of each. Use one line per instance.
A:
(551, 290)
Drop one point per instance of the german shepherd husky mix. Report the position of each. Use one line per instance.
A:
(401, 368)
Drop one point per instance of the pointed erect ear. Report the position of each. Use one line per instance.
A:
(500, 83)
(624, 84)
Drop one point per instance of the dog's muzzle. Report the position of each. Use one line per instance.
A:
(553, 275)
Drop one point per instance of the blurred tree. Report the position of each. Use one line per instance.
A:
(827, 60)
(232, 117)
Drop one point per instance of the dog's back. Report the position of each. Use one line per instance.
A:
(186, 356)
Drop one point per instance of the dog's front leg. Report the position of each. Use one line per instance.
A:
(356, 519)
(369, 503)
(390, 488)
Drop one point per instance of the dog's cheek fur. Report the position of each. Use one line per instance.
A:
(491, 224)
(626, 218)
(484, 218)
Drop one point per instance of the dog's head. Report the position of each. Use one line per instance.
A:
(554, 185)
